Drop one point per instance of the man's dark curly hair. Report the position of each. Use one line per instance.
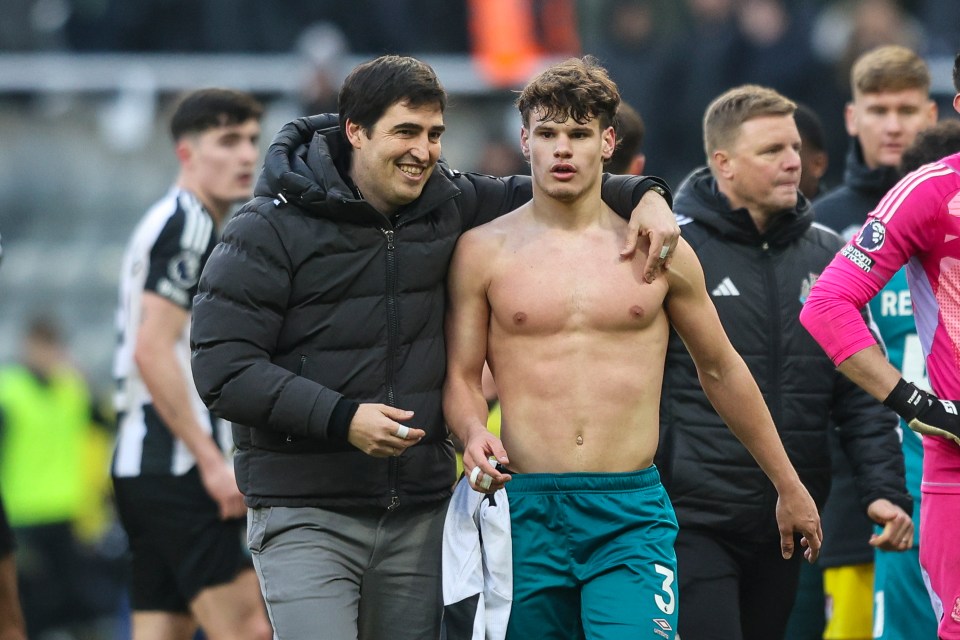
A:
(578, 88)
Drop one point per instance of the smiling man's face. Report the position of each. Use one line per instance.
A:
(393, 159)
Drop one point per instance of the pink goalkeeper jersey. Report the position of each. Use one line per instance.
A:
(918, 224)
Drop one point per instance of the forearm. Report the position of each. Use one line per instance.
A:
(167, 383)
(464, 407)
(871, 371)
(734, 394)
(238, 382)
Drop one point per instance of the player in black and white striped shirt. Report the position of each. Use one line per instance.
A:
(176, 492)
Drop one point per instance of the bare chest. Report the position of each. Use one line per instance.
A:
(540, 292)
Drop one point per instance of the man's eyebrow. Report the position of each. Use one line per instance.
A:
(418, 127)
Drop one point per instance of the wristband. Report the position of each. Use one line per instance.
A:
(907, 400)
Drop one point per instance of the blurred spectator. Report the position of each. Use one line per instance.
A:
(46, 417)
(630, 46)
(324, 45)
(941, 19)
(813, 154)
(845, 29)
(12, 624)
(500, 158)
(697, 65)
(508, 37)
(774, 49)
(627, 157)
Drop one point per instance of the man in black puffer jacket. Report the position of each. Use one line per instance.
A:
(318, 330)
(753, 234)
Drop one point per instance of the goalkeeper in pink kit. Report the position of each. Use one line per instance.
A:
(916, 224)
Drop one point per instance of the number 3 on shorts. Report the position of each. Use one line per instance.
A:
(668, 604)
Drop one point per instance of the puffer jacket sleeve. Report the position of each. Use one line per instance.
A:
(237, 317)
(484, 198)
(869, 437)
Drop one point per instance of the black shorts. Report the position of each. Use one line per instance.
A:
(180, 546)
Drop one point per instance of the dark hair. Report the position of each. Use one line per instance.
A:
(956, 73)
(629, 127)
(931, 144)
(578, 88)
(375, 86)
(809, 126)
(205, 109)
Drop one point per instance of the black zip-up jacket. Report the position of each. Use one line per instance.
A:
(758, 283)
(314, 302)
(846, 529)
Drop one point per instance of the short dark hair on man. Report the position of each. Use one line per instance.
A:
(931, 144)
(375, 86)
(578, 88)
(630, 129)
(205, 109)
(810, 127)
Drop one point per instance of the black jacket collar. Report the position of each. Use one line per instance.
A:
(700, 199)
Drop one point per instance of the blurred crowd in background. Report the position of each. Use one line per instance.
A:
(79, 165)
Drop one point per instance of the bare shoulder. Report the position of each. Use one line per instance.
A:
(685, 273)
(490, 237)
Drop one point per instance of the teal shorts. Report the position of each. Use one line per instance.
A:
(592, 556)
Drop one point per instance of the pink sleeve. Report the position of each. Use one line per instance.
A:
(904, 224)
(832, 312)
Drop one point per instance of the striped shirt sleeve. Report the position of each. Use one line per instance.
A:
(178, 255)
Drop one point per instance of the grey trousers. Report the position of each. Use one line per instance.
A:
(366, 574)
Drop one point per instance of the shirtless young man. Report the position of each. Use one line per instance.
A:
(577, 343)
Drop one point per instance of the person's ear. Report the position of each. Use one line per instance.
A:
(850, 119)
(525, 143)
(184, 150)
(609, 136)
(354, 133)
(722, 163)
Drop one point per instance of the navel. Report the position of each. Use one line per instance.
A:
(579, 440)
(519, 317)
(636, 311)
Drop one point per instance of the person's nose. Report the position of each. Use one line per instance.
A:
(791, 160)
(562, 148)
(893, 123)
(422, 148)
